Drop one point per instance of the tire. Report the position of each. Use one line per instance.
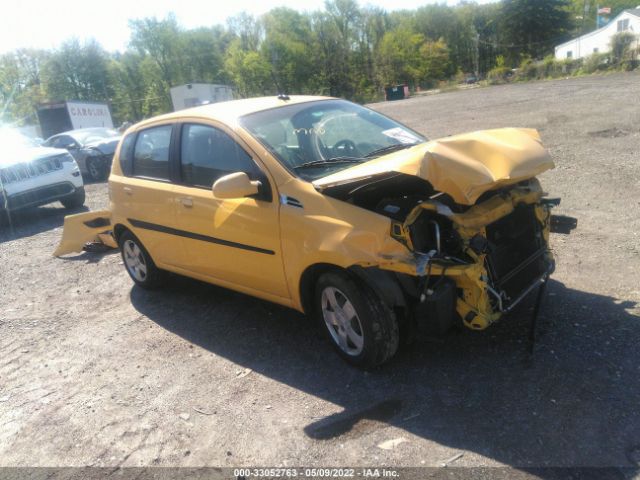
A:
(138, 262)
(75, 200)
(96, 169)
(360, 326)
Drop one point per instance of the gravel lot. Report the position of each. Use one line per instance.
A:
(96, 372)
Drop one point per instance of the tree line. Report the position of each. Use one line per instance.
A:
(345, 50)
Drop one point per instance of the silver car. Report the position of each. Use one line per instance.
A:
(93, 149)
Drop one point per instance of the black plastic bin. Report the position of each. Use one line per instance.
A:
(396, 92)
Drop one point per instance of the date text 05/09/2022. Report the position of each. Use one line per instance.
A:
(245, 473)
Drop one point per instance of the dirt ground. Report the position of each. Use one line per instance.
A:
(94, 371)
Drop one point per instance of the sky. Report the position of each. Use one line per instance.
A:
(47, 23)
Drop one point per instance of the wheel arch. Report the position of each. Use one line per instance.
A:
(383, 283)
(119, 229)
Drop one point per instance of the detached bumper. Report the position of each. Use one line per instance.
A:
(85, 227)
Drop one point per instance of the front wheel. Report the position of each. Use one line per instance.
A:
(96, 169)
(139, 263)
(361, 327)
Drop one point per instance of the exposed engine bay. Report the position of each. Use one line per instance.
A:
(470, 262)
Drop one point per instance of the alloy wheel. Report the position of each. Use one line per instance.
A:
(342, 321)
(134, 260)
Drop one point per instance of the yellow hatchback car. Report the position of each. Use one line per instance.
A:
(334, 210)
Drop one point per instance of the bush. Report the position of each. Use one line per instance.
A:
(498, 75)
(596, 62)
(527, 70)
(631, 64)
(621, 47)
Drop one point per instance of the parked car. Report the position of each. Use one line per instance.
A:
(335, 210)
(93, 149)
(31, 175)
(471, 78)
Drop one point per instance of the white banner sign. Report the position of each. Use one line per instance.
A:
(85, 115)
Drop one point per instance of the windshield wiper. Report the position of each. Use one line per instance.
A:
(331, 161)
(390, 149)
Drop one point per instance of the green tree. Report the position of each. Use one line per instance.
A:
(77, 71)
(249, 72)
(129, 88)
(286, 47)
(399, 59)
(534, 27)
(20, 85)
(622, 47)
(160, 43)
(434, 62)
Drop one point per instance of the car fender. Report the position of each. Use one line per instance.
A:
(320, 230)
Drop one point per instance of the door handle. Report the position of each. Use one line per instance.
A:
(127, 190)
(187, 202)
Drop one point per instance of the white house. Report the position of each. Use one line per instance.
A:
(599, 41)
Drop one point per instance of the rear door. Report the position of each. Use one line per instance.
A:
(235, 241)
(146, 196)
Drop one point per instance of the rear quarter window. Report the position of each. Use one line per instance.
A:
(151, 153)
(126, 154)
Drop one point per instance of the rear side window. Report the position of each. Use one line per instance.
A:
(208, 154)
(151, 153)
(126, 154)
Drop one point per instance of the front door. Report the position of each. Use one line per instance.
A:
(236, 241)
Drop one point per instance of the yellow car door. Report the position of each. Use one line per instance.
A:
(236, 241)
(145, 198)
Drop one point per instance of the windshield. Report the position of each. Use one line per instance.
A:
(316, 139)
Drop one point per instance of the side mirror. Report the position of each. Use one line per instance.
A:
(235, 185)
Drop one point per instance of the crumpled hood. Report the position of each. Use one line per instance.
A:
(463, 166)
(106, 146)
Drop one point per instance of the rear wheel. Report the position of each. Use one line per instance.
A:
(139, 263)
(360, 326)
(75, 200)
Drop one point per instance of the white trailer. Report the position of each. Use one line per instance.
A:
(71, 115)
(194, 94)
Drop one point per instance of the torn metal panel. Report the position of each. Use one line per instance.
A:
(479, 304)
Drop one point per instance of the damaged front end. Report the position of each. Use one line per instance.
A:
(482, 261)
(473, 217)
